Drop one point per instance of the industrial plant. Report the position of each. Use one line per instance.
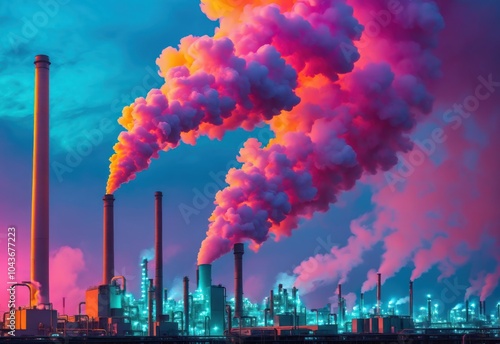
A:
(209, 314)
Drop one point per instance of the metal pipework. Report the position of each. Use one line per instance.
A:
(229, 318)
(158, 255)
(410, 303)
(40, 181)
(238, 279)
(124, 282)
(186, 304)
(379, 293)
(108, 261)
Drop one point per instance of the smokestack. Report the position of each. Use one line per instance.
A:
(205, 278)
(429, 310)
(40, 180)
(379, 293)
(484, 309)
(238, 279)
(158, 255)
(186, 304)
(480, 308)
(411, 300)
(467, 311)
(108, 268)
(339, 293)
(361, 305)
(197, 277)
(271, 304)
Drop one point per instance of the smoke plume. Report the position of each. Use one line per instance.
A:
(292, 65)
(437, 207)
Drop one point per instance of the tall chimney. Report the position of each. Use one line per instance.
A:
(362, 305)
(339, 293)
(40, 181)
(158, 256)
(379, 293)
(271, 304)
(429, 310)
(484, 309)
(238, 280)
(186, 304)
(467, 311)
(411, 300)
(108, 261)
(480, 308)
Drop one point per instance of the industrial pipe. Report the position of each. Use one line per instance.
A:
(186, 304)
(362, 305)
(158, 255)
(467, 311)
(108, 240)
(80, 307)
(429, 309)
(229, 318)
(151, 295)
(238, 280)
(411, 300)
(271, 304)
(379, 294)
(339, 293)
(40, 181)
(124, 282)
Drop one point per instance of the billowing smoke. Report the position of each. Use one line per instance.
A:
(437, 207)
(340, 108)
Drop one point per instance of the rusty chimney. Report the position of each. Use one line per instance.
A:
(411, 300)
(186, 304)
(379, 293)
(158, 256)
(40, 180)
(238, 280)
(108, 267)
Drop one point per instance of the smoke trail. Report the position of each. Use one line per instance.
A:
(339, 131)
(442, 209)
(243, 76)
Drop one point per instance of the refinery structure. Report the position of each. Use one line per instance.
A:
(210, 313)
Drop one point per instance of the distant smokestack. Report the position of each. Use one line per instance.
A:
(429, 310)
(411, 300)
(186, 304)
(108, 268)
(467, 311)
(238, 279)
(339, 293)
(197, 277)
(361, 305)
(271, 304)
(484, 308)
(480, 308)
(40, 180)
(158, 256)
(379, 293)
